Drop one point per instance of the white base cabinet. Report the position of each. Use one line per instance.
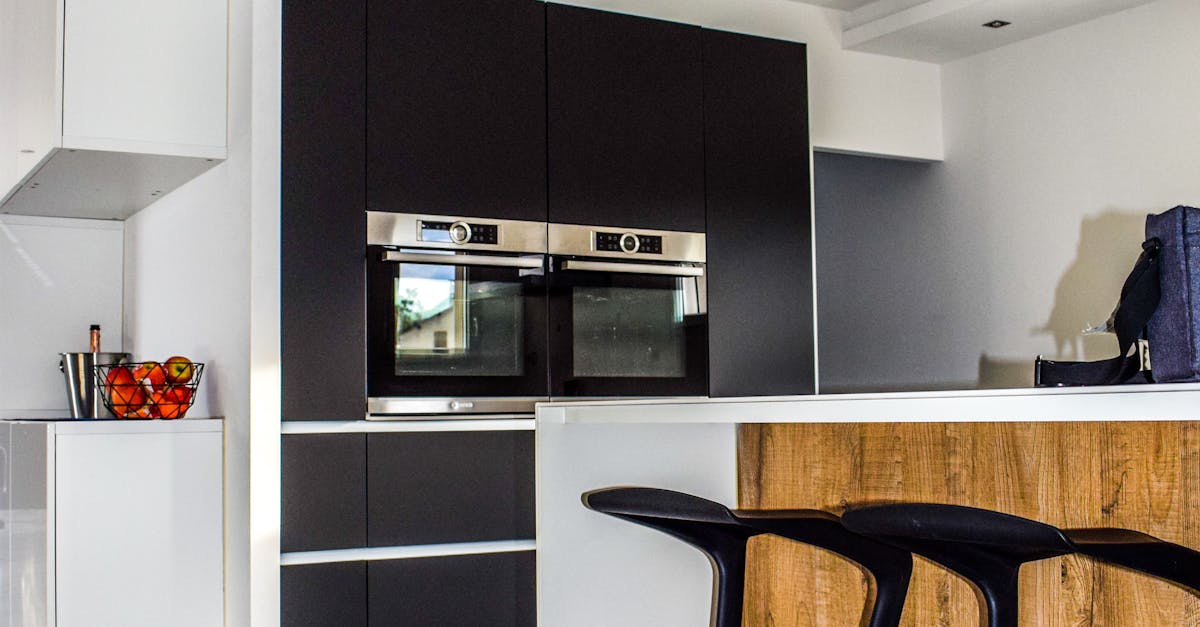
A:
(111, 523)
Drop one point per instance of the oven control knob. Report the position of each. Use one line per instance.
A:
(630, 243)
(460, 232)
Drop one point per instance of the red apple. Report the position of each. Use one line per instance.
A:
(179, 370)
(153, 373)
(124, 392)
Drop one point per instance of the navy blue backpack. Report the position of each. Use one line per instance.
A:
(1157, 320)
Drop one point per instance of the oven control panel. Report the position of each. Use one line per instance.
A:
(628, 243)
(459, 232)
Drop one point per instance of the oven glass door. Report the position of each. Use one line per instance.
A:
(451, 324)
(622, 329)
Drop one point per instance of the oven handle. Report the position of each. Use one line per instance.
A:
(463, 260)
(631, 268)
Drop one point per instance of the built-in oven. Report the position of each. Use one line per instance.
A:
(628, 312)
(456, 315)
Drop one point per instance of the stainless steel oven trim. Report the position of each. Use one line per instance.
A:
(463, 260)
(633, 268)
(404, 229)
(404, 408)
(580, 240)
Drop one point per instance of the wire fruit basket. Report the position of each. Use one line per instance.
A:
(148, 389)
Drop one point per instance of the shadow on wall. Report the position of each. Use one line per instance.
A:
(1085, 295)
(1109, 244)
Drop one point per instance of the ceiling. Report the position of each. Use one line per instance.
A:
(845, 5)
(944, 30)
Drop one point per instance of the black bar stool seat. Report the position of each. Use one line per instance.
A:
(988, 548)
(721, 534)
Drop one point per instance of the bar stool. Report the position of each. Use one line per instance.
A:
(722, 535)
(988, 548)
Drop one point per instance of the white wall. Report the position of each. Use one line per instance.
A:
(1056, 149)
(188, 291)
(858, 102)
(57, 277)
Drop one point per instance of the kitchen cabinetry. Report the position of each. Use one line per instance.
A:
(433, 488)
(323, 222)
(324, 492)
(759, 238)
(626, 127)
(456, 99)
(112, 523)
(324, 595)
(413, 522)
(111, 105)
(466, 591)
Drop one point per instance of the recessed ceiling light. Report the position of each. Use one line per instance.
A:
(997, 24)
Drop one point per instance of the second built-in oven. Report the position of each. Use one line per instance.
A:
(627, 312)
(456, 315)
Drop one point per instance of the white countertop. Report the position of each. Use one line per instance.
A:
(1170, 401)
(85, 426)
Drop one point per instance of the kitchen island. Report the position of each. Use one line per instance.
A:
(1117, 456)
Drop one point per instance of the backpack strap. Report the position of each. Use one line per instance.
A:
(1139, 299)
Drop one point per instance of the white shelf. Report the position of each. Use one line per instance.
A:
(1179, 401)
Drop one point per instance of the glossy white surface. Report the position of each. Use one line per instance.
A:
(599, 571)
(116, 523)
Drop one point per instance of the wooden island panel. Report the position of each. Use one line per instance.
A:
(1139, 475)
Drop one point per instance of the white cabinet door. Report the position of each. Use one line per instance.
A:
(138, 532)
(31, 71)
(145, 76)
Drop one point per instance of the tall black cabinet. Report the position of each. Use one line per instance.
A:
(456, 98)
(323, 177)
(626, 126)
(756, 148)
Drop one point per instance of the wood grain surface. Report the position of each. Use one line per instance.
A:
(1137, 475)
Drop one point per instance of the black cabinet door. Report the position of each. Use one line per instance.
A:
(323, 595)
(456, 105)
(469, 591)
(323, 224)
(324, 489)
(626, 143)
(760, 291)
(433, 488)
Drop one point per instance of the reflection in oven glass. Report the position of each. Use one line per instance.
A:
(449, 323)
(628, 332)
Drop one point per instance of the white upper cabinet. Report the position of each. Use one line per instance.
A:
(110, 104)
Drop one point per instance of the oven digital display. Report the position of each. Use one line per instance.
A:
(438, 232)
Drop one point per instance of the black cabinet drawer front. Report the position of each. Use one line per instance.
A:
(324, 595)
(496, 590)
(324, 492)
(433, 488)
